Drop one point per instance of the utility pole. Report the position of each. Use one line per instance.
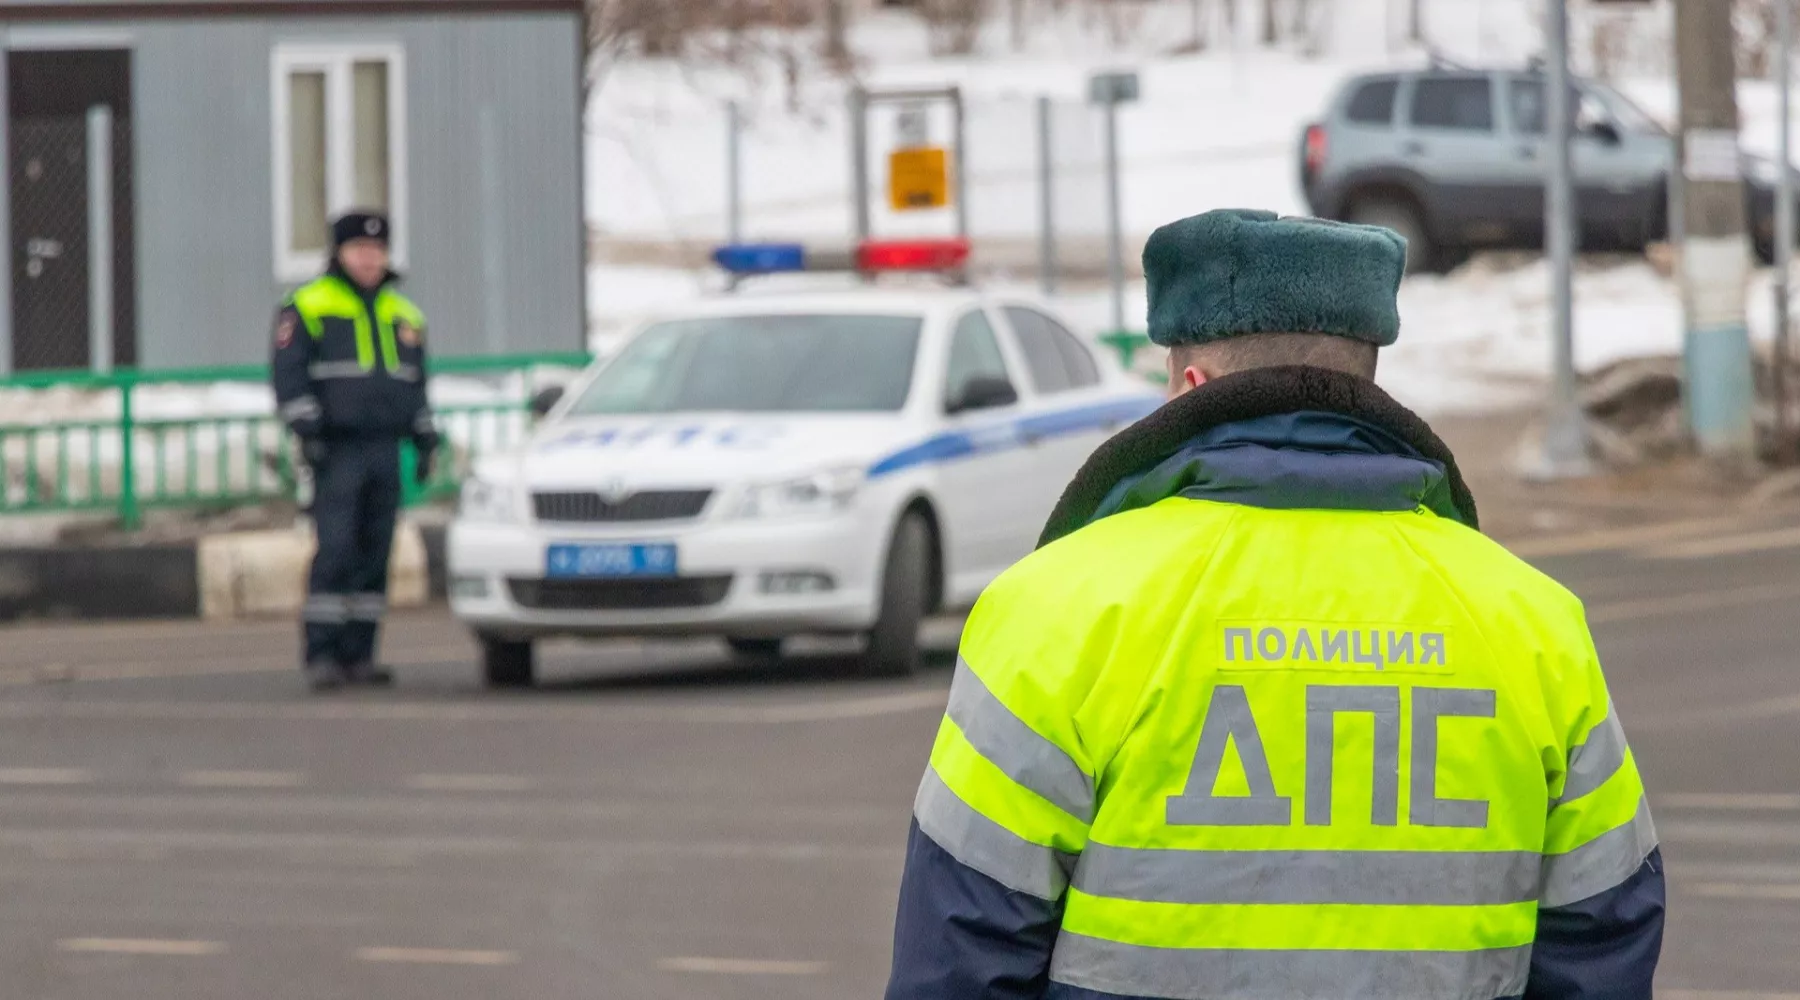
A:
(1565, 435)
(1715, 263)
(1784, 222)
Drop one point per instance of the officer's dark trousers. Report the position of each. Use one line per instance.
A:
(356, 497)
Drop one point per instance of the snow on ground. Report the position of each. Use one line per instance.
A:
(1213, 129)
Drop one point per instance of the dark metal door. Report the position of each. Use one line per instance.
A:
(49, 94)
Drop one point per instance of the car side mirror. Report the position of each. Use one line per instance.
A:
(983, 392)
(1603, 129)
(545, 400)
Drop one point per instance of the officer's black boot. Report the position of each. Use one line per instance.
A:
(322, 676)
(369, 674)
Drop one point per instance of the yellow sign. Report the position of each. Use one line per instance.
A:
(918, 178)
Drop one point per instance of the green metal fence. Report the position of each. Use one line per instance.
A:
(125, 462)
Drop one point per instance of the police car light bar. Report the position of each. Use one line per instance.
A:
(912, 255)
(871, 256)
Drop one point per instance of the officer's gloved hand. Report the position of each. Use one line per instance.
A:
(312, 450)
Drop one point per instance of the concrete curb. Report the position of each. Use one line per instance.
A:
(223, 577)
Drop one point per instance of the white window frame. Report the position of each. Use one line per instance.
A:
(337, 63)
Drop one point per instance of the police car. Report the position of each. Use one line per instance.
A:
(768, 465)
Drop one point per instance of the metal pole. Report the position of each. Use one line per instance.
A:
(1115, 238)
(960, 163)
(859, 160)
(1565, 436)
(1784, 220)
(100, 238)
(734, 176)
(1046, 200)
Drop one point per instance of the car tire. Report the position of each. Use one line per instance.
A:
(755, 649)
(1423, 256)
(507, 663)
(893, 649)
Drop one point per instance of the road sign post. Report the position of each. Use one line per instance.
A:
(1110, 90)
(1784, 226)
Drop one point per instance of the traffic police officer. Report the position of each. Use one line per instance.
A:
(349, 375)
(1266, 716)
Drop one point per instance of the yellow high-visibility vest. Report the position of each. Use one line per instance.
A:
(1285, 753)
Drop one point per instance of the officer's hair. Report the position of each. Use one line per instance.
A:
(1269, 350)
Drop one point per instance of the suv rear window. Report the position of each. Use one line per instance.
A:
(1373, 103)
(1465, 103)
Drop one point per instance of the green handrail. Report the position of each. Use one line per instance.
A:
(186, 433)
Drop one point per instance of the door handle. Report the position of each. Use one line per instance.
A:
(1412, 148)
(1528, 152)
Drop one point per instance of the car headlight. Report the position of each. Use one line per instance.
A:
(486, 500)
(818, 493)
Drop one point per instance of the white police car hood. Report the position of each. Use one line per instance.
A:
(699, 450)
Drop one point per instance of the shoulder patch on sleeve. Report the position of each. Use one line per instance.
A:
(285, 322)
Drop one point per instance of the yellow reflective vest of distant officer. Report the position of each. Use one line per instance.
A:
(349, 374)
(1266, 717)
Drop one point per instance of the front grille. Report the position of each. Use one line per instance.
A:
(650, 505)
(624, 594)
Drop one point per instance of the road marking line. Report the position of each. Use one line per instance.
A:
(471, 783)
(534, 711)
(241, 779)
(1742, 890)
(1723, 995)
(1707, 800)
(1724, 545)
(142, 946)
(45, 776)
(1710, 600)
(437, 956)
(1620, 538)
(740, 966)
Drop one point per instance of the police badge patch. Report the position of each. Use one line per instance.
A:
(284, 330)
(406, 333)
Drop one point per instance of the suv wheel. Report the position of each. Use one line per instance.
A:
(507, 664)
(893, 649)
(1422, 255)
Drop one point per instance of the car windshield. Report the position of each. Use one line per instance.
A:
(760, 364)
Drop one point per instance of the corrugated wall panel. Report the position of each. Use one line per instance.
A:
(207, 285)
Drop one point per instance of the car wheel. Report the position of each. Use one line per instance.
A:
(507, 664)
(1422, 255)
(755, 649)
(893, 649)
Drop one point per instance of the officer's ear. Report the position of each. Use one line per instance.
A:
(1184, 374)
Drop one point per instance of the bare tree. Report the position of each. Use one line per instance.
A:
(836, 45)
(1271, 28)
(953, 26)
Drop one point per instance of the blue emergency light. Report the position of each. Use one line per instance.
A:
(761, 258)
(867, 257)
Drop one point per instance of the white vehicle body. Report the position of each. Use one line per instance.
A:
(747, 563)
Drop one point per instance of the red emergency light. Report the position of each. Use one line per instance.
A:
(912, 255)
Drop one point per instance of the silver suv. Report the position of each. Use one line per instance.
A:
(1454, 159)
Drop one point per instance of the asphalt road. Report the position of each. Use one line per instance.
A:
(178, 820)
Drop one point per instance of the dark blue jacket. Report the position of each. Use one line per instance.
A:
(961, 935)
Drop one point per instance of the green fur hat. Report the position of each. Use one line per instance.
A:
(1238, 271)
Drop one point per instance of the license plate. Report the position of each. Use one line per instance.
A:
(598, 560)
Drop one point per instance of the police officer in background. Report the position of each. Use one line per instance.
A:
(349, 375)
(1266, 717)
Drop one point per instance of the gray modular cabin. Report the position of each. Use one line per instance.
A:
(235, 128)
